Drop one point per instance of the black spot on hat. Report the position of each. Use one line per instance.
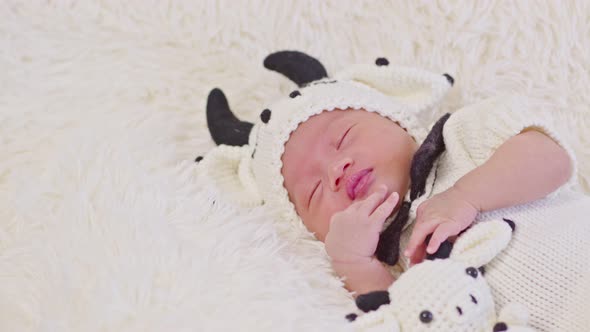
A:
(381, 62)
(500, 327)
(295, 94)
(265, 115)
(199, 158)
(449, 78)
(351, 317)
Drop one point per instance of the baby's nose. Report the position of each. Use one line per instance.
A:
(337, 171)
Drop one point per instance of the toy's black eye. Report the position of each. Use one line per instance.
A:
(294, 94)
(482, 270)
(472, 272)
(426, 316)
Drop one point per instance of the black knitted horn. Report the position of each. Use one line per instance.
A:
(223, 125)
(297, 66)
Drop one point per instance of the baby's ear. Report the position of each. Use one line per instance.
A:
(414, 87)
(482, 242)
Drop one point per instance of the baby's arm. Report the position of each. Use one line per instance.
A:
(364, 276)
(526, 167)
(352, 240)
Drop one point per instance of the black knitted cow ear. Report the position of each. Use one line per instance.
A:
(224, 126)
(389, 243)
(297, 66)
(443, 251)
(424, 158)
(389, 240)
(372, 301)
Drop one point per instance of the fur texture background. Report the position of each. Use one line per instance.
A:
(105, 223)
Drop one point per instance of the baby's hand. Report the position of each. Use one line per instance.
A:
(444, 215)
(354, 232)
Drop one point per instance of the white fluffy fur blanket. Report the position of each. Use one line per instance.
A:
(105, 224)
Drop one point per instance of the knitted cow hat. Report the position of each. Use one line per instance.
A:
(246, 164)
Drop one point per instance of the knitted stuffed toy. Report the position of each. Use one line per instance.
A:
(446, 292)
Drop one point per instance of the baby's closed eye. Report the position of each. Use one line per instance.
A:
(312, 194)
(343, 137)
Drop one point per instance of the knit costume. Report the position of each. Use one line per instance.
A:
(544, 267)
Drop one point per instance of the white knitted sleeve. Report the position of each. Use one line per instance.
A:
(475, 132)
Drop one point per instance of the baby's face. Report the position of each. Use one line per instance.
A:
(339, 157)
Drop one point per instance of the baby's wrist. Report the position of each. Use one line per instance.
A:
(350, 260)
(365, 276)
(461, 193)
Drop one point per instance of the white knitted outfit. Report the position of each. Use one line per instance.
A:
(545, 266)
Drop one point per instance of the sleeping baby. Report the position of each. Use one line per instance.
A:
(348, 158)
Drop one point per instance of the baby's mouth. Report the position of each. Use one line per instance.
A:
(358, 184)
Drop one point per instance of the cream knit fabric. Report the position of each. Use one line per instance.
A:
(450, 292)
(545, 266)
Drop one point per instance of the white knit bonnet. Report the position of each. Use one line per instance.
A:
(246, 164)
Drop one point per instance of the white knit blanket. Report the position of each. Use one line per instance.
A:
(105, 224)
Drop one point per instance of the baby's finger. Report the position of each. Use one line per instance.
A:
(370, 203)
(419, 234)
(382, 211)
(418, 254)
(442, 232)
(378, 217)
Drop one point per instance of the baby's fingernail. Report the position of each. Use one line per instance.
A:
(430, 250)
